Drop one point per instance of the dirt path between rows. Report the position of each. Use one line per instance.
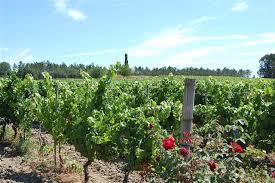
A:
(14, 169)
(38, 168)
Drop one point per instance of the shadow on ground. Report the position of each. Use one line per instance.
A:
(6, 150)
(9, 171)
(20, 176)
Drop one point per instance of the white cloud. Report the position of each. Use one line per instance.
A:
(201, 20)
(190, 57)
(24, 55)
(62, 7)
(76, 15)
(167, 39)
(3, 50)
(157, 44)
(224, 37)
(240, 6)
(260, 39)
(256, 43)
(174, 38)
(270, 36)
(178, 37)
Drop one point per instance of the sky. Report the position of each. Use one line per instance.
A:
(155, 33)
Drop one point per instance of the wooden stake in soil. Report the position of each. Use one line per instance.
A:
(60, 156)
(86, 171)
(188, 105)
(56, 107)
(54, 147)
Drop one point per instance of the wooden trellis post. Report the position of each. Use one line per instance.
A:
(188, 105)
(56, 108)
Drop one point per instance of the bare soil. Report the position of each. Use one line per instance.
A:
(36, 167)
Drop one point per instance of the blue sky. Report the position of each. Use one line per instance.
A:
(154, 33)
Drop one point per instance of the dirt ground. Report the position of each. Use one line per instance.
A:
(39, 167)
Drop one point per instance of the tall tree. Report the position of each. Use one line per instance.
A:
(5, 68)
(267, 66)
(125, 70)
(126, 59)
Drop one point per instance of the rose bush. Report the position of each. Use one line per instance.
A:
(215, 161)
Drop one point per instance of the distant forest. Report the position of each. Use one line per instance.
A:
(73, 70)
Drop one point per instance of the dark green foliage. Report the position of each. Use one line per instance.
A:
(191, 71)
(267, 66)
(124, 69)
(73, 71)
(58, 70)
(16, 101)
(5, 69)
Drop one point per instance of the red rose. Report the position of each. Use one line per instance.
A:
(235, 147)
(212, 165)
(151, 125)
(184, 151)
(273, 174)
(169, 143)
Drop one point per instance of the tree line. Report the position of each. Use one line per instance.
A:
(58, 70)
(191, 71)
(73, 71)
(266, 69)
